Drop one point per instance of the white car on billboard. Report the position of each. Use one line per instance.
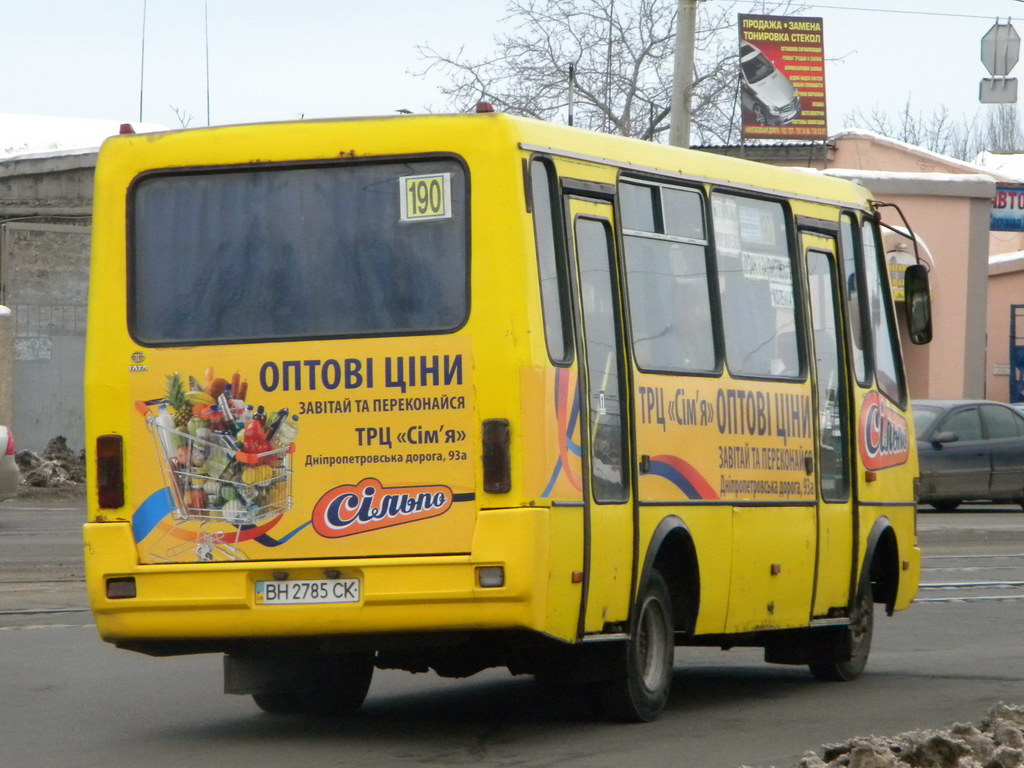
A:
(766, 93)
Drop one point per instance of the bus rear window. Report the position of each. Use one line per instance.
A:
(311, 252)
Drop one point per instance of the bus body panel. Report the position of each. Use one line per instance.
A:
(733, 457)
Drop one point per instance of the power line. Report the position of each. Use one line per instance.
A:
(893, 10)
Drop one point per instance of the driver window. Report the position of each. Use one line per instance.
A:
(965, 424)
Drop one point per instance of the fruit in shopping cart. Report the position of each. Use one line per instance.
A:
(216, 387)
(195, 498)
(258, 474)
(195, 424)
(216, 465)
(235, 512)
(228, 492)
(255, 438)
(198, 397)
(276, 493)
(178, 400)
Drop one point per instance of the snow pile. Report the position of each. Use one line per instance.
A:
(57, 467)
(998, 743)
(1007, 164)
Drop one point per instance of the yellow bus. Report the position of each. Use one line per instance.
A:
(458, 392)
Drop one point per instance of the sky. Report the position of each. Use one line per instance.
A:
(289, 59)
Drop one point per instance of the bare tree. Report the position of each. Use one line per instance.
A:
(622, 54)
(995, 129)
(184, 117)
(1003, 132)
(938, 132)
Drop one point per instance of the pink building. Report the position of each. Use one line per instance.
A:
(947, 203)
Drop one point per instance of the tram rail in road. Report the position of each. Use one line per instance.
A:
(1010, 567)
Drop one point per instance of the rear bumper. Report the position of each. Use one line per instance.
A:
(910, 578)
(216, 601)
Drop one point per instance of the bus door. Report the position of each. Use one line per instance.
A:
(607, 450)
(837, 521)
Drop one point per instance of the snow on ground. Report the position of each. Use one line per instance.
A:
(44, 135)
(997, 743)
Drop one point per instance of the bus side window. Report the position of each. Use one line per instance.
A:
(756, 279)
(551, 261)
(667, 278)
(848, 248)
(880, 315)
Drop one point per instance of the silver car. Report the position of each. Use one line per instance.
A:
(9, 475)
(766, 93)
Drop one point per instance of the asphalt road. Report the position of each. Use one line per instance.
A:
(71, 700)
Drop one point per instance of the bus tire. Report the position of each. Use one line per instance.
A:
(280, 703)
(642, 669)
(946, 505)
(858, 635)
(339, 690)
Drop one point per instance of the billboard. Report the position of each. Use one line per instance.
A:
(782, 77)
(1008, 208)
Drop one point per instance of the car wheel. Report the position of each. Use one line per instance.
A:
(858, 634)
(639, 687)
(946, 505)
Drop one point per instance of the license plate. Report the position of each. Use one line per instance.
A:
(307, 591)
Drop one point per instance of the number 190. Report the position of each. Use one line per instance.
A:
(425, 197)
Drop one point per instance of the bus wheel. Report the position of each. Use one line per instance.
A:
(339, 688)
(858, 634)
(946, 505)
(642, 675)
(280, 703)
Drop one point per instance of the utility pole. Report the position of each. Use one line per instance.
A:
(682, 78)
(142, 60)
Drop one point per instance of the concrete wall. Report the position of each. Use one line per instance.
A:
(45, 225)
(6, 365)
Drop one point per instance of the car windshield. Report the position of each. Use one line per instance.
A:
(924, 417)
(757, 68)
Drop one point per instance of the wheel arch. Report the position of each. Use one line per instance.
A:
(882, 563)
(672, 552)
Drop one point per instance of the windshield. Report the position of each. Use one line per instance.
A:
(924, 417)
(757, 68)
(299, 252)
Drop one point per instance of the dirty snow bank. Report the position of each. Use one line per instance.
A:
(997, 743)
(57, 467)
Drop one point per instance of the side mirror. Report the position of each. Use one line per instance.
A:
(918, 303)
(945, 437)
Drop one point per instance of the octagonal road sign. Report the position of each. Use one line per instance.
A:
(1000, 49)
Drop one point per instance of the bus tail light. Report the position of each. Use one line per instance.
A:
(10, 442)
(497, 456)
(110, 471)
(121, 588)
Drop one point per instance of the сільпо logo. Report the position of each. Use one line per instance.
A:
(369, 506)
(885, 439)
